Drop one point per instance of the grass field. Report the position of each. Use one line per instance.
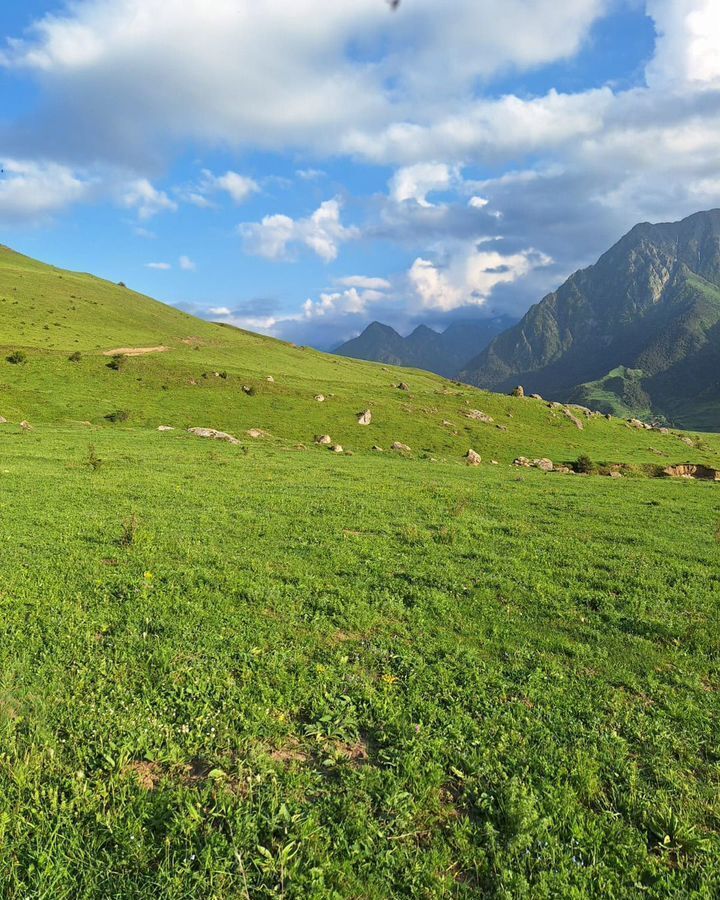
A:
(268, 670)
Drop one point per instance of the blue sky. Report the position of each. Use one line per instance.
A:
(303, 169)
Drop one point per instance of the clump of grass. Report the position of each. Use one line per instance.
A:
(17, 358)
(583, 465)
(92, 459)
(129, 531)
(75, 357)
(116, 362)
(120, 415)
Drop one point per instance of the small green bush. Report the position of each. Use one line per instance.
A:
(116, 363)
(120, 415)
(584, 465)
(17, 358)
(75, 357)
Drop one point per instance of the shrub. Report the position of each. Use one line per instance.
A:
(93, 460)
(120, 415)
(129, 530)
(584, 465)
(116, 362)
(75, 357)
(17, 358)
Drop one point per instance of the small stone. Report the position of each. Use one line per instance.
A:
(336, 448)
(257, 433)
(518, 392)
(324, 439)
(403, 387)
(479, 416)
(536, 397)
(401, 448)
(247, 389)
(546, 465)
(320, 398)
(165, 428)
(26, 426)
(473, 458)
(3, 420)
(378, 449)
(365, 418)
(270, 379)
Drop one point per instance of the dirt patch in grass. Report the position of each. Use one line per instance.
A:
(290, 752)
(147, 774)
(134, 351)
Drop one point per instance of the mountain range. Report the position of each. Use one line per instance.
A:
(636, 333)
(445, 353)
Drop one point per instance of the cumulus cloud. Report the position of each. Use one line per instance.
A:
(322, 232)
(159, 266)
(141, 196)
(30, 191)
(247, 73)
(416, 182)
(470, 275)
(187, 264)
(688, 51)
(364, 282)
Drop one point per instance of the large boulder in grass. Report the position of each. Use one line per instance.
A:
(214, 435)
(323, 439)
(401, 448)
(365, 418)
(473, 458)
(479, 416)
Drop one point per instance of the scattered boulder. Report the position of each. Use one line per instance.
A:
(25, 425)
(546, 465)
(403, 387)
(337, 448)
(270, 379)
(536, 397)
(494, 462)
(522, 462)
(501, 427)
(688, 441)
(3, 420)
(378, 449)
(214, 434)
(573, 418)
(257, 433)
(365, 418)
(247, 389)
(401, 448)
(690, 471)
(320, 398)
(615, 474)
(324, 439)
(479, 416)
(518, 392)
(165, 428)
(473, 458)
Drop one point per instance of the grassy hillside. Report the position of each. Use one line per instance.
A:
(268, 670)
(179, 386)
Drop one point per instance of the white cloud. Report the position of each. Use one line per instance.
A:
(341, 303)
(470, 276)
(477, 202)
(160, 266)
(222, 311)
(688, 50)
(416, 182)
(322, 232)
(147, 200)
(364, 282)
(240, 187)
(31, 191)
(186, 264)
(245, 73)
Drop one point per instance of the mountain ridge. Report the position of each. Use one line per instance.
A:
(650, 303)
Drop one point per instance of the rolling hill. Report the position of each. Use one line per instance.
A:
(650, 306)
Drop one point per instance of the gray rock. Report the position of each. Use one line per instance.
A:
(214, 435)
(365, 418)
(473, 458)
(324, 439)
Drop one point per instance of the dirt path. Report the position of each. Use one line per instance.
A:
(134, 351)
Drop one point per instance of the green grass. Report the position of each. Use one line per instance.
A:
(354, 677)
(268, 670)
